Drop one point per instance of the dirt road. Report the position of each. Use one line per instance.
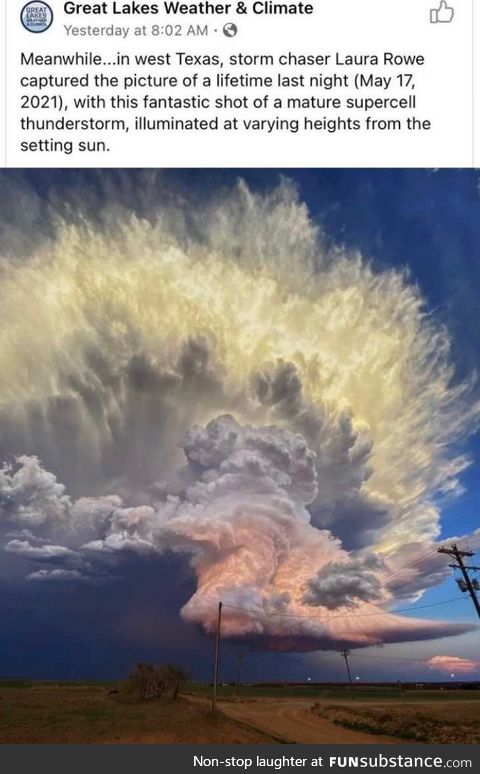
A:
(292, 721)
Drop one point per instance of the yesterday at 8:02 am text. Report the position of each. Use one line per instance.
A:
(154, 30)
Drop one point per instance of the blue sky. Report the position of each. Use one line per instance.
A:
(426, 221)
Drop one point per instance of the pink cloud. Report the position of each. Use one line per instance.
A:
(453, 664)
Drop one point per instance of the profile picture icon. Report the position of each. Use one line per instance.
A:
(36, 16)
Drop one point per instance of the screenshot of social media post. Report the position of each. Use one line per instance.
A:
(239, 393)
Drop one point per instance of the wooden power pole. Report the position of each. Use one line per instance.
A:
(217, 658)
(345, 654)
(240, 656)
(466, 584)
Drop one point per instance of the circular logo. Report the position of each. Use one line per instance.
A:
(36, 16)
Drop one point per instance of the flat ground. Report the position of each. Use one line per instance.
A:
(56, 713)
(348, 722)
(293, 721)
(88, 714)
(365, 714)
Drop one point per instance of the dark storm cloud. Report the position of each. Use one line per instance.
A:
(68, 629)
(114, 416)
(281, 387)
(344, 584)
(342, 456)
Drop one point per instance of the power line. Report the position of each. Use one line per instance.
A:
(466, 584)
(391, 658)
(425, 556)
(345, 654)
(409, 565)
(351, 615)
(454, 551)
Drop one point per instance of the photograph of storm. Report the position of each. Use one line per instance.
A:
(254, 387)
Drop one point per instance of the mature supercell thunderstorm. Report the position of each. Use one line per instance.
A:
(209, 380)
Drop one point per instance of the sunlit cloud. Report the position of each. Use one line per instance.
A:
(211, 381)
(454, 665)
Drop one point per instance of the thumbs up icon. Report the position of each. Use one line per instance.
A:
(443, 14)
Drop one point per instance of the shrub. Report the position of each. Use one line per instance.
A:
(148, 682)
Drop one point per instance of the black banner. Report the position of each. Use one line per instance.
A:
(196, 758)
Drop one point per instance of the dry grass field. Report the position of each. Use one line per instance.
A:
(89, 714)
(368, 716)
(59, 713)
(445, 722)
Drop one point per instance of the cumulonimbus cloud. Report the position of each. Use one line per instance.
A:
(211, 381)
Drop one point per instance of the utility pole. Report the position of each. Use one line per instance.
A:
(239, 666)
(467, 584)
(345, 654)
(217, 658)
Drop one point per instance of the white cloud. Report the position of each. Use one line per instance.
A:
(46, 552)
(56, 575)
